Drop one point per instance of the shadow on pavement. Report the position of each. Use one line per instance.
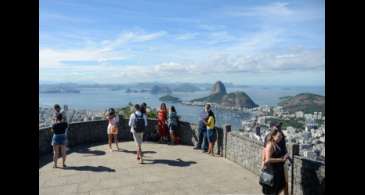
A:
(91, 152)
(135, 152)
(91, 168)
(176, 163)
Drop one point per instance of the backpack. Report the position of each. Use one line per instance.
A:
(139, 125)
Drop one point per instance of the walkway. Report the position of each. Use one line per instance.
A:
(167, 170)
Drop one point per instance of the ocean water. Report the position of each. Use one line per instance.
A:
(99, 99)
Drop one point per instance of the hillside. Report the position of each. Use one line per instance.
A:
(306, 102)
(219, 95)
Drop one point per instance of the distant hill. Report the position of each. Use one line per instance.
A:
(156, 89)
(306, 102)
(219, 95)
(169, 98)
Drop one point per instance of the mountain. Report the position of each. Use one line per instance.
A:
(219, 95)
(169, 98)
(306, 102)
(238, 99)
(219, 88)
(156, 89)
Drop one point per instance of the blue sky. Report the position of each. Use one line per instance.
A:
(245, 42)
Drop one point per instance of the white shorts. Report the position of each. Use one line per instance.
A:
(138, 138)
(109, 131)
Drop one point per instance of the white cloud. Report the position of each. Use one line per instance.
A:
(269, 10)
(186, 36)
(104, 51)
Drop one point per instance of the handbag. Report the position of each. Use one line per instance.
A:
(267, 177)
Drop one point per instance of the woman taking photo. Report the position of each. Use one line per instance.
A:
(211, 132)
(59, 139)
(272, 160)
(112, 130)
(173, 124)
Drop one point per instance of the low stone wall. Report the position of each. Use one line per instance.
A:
(244, 151)
(309, 176)
(95, 132)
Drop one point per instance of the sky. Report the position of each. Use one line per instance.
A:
(249, 42)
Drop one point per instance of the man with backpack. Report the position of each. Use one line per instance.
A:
(138, 124)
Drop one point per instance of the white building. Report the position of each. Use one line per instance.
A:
(299, 114)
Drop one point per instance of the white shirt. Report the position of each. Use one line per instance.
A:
(114, 121)
(133, 117)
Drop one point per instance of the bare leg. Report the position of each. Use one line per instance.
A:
(140, 153)
(63, 149)
(209, 147)
(55, 155)
(212, 149)
(110, 141)
(116, 141)
(172, 136)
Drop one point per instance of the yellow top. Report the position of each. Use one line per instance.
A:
(210, 123)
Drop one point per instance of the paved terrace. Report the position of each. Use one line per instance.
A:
(166, 170)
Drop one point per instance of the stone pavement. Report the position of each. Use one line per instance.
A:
(166, 170)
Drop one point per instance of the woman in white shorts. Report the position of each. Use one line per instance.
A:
(112, 129)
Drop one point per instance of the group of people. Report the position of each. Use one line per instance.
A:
(274, 154)
(207, 133)
(167, 124)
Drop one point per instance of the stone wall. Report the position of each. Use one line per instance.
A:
(95, 132)
(309, 176)
(244, 151)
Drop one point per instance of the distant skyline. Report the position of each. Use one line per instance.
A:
(248, 42)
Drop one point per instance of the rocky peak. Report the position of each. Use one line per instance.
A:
(219, 88)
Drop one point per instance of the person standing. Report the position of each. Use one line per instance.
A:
(59, 140)
(173, 122)
(273, 160)
(202, 130)
(211, 132)
(112, 131)
(162, 123)
(138, 123)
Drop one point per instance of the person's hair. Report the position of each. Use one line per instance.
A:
(211, 113)
(111, 111)
(163, 106)
(173, 109)
(137, 107)
(273, 133)
(57, 107)
(143, 107)
(59, 117)
(207, 106)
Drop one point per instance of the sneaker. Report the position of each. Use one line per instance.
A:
(204, 151)
(197, 148)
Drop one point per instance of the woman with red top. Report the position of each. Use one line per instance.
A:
(162, 123)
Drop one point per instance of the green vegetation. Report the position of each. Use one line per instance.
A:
(169, 98)
(125, 112)
(296, 123)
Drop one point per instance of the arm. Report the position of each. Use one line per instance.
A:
(145, 119)
(210, 121)
(268, 153)
(131, 118)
